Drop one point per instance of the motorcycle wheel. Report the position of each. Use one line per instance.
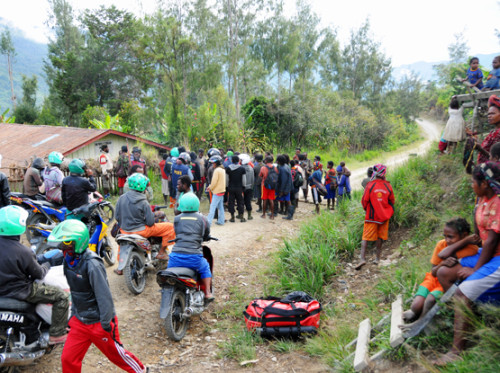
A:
(108, 253)
(135, 273)
(175, 325)
(107, 213)
(3, 341)
(34, 220)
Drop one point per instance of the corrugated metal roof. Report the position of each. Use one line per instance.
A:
(20, 142)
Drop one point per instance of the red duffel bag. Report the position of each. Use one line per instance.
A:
(296, 314)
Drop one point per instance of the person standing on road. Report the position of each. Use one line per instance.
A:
(217, 189)
(122, 168)
(237, 179)
(93, 318)
(106, 168)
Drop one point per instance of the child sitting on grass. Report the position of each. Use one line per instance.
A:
(457, 243)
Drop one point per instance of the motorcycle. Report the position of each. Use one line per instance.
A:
(24, 335)
(138, 256)
(182, 296)
(98, 243)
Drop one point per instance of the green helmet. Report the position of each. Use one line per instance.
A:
(71, 230)
(56, 158)
(77, 166)
(189, 203)
(138, 182)
(12, 221)
(174, 152)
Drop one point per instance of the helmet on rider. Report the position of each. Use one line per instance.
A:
(12, 221)
(174, 152)
(185, 157)
(56, 158)
(72, 236)
(189, 203)
(38, 163)
(77, 166)
(213, 151)
(138, 182)
(217, 159)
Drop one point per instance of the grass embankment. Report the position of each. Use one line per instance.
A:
(429, 191)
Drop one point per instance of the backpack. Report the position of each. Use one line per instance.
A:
(271, 179)
(122, 167)
(297, 178)
(294, 316)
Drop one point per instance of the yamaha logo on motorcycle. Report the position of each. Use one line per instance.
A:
(11, 317)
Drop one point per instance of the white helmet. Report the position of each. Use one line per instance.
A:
(244, 158)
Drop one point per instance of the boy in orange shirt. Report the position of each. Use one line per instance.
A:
(457, 244)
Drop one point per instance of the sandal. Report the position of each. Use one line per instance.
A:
(360, 265)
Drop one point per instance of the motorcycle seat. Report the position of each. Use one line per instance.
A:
(179, 272)
(11, 304)
(46, 203)
(133, 236)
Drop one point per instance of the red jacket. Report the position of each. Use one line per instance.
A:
(378, 201)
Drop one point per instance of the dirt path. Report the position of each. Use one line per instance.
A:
(430, 130)
(240, 255)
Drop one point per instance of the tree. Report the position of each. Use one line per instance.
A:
(7, 49)
(363, 69)
(27, 112)
(458, 50)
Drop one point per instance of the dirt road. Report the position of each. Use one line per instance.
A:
(431, 132)
(240, 255)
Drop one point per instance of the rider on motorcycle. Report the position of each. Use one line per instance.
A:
(53, 177)
(19, 269)
(191, 229)
(76, 188)
(32, 179)
(93, 313)
(134, 215)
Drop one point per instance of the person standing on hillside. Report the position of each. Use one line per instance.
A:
(494, 136)
(236, 181)
(269, 175)
(455, 127)
(378, 202)
(164, 178)
(257, 190)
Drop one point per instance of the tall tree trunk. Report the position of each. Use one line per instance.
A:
(11, 78)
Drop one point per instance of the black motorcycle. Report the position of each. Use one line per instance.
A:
(182, 296)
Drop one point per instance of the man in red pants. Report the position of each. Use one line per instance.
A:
(94, 319)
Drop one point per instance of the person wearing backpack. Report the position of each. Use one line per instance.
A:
(269, 175)
(315, 183)
(330, 185)
(285, 185)
(378, 202)
(122, 167)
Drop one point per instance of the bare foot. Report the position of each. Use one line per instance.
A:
(409, 316)
(263, 216)
(360, 265)
(272, 217)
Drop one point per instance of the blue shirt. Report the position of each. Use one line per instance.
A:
(494, 81)
(474, 76)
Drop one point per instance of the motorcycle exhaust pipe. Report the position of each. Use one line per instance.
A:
(8, 359)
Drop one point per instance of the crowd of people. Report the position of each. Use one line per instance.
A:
(232, 180)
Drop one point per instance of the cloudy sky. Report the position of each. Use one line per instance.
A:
(409, 31)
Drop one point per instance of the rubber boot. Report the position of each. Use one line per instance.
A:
(249, 217)
(291, 210)
(232, 220)
(317, 209)
(242, 218)
(259, 204)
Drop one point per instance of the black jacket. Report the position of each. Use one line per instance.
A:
(90, 294)
(191, 229)
(4, 190)
(18, 268)
(237, 178)
(75, 191)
